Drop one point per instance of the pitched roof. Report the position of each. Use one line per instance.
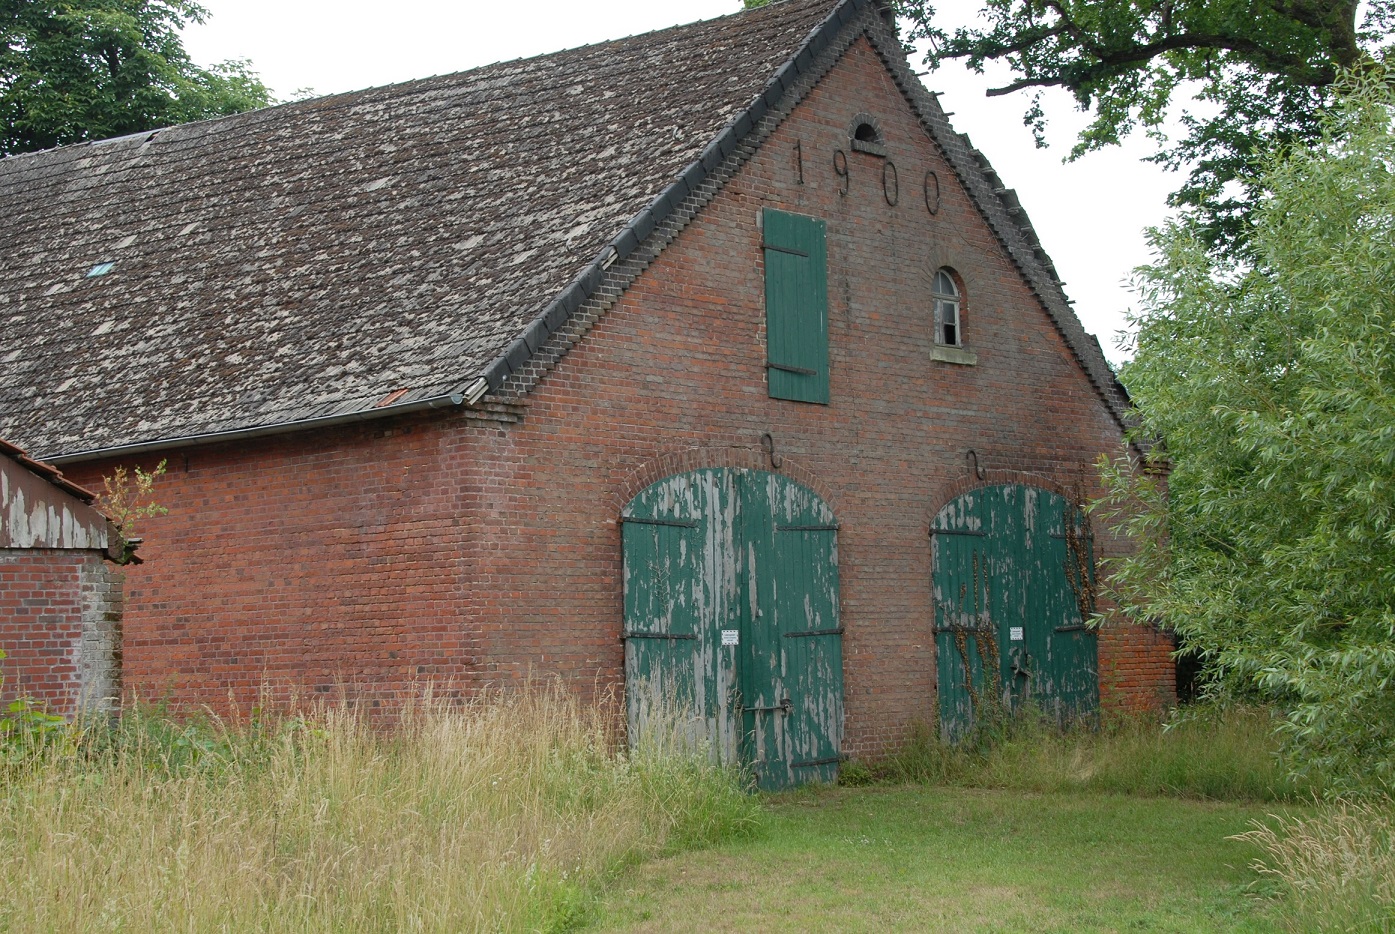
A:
(386, 249)
(45, 471)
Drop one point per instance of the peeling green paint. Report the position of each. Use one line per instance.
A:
(1010, 606)
(754, 554)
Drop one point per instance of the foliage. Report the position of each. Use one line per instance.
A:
(1272, 385)
(78, 70)
(127, 497)
(1337, 866)
(1257, 73)
(25, 728)
(503, 813)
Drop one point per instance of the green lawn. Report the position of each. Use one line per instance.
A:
(955, 859)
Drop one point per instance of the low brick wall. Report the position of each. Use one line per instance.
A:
(60, 615)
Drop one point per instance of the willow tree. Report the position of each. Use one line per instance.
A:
(1270, 383)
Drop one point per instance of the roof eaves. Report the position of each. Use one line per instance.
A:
(552, 318)
(451, 399)
(46, 471)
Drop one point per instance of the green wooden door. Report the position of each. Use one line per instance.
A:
(681, 591)
(1012, 588)
(731, 622)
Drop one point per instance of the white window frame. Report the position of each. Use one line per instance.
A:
(947, 305)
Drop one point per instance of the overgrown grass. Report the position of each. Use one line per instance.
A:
(502, 815)
(1337, 866)
(1222, 753)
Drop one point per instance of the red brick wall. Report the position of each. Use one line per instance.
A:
(41, 625)
(463, 550)
(1137, 673)
(310, 563)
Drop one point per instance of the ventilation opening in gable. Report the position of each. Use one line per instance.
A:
(866, 136)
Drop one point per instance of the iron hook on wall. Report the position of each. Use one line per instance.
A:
(767, 444)
(972, 456)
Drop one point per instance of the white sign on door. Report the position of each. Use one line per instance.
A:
(1014, 633)
(731, 636)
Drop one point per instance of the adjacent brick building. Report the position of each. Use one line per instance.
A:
(533, 369)
(60, 593)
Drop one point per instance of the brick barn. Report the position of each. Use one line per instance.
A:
(60, 591)
(711, 361)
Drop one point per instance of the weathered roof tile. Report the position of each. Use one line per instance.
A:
(311, 258)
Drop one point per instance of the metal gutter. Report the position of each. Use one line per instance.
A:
(261, 431)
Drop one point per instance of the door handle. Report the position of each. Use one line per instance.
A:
(785, 705)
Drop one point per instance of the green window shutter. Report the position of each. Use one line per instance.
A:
(796, 306)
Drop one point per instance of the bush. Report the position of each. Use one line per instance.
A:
(1270, 548)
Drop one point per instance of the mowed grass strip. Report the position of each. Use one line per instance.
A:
(960, 859)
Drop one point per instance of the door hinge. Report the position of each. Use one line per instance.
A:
(640, 520)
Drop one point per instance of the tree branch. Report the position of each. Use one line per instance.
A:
(1294, 67)
(1023, 85)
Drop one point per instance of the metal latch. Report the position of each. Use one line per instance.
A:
(785, 705)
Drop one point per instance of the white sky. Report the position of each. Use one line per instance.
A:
(1090, 214)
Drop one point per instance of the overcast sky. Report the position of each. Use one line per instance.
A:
(1090, 214)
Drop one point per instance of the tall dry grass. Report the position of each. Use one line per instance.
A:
(1337, 867)
(1224, 753)
(499, 815)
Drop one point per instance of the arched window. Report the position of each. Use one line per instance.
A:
(946, 297)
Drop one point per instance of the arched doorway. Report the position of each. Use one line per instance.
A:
(732, 634)
(1013, 585)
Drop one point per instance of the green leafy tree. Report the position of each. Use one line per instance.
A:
(1271, 382)
(76, 70)
(1257, 71)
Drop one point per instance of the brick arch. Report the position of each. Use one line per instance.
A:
(705, 457)
(970, 482)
